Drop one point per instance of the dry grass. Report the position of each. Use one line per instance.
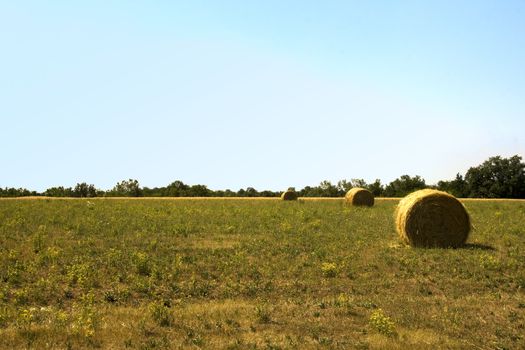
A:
(244, 198)
(249, 274)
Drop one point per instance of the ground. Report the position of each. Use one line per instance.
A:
(253, 274)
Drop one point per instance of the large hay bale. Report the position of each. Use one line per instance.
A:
(359, 196)
(289, 195)
(431, 218)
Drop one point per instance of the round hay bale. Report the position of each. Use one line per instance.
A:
(431, 218)
(359, 196)
(289, 195)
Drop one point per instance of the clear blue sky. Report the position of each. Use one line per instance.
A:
(268, 94)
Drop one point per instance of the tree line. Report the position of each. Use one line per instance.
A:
(497, 177)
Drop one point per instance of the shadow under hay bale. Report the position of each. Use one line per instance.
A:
(359, 196)
(431, 218)
(478, 246)
(289, 196)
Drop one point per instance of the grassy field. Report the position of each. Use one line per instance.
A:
(253, 274)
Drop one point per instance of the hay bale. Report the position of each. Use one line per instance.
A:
(359, 196)
(431, 218)
(289, 195)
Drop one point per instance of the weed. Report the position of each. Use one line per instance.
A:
(343, 300)
(25, 318)
(61, 319)
(86, 318)
(382, 323)
(142, 263)
(263, 314)
(38, 239)
(489, 262)
(4, 317)
(78, 273)
(329, 269)
(161, 314)
(20, 296)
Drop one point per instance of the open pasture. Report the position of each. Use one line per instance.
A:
(253, 274)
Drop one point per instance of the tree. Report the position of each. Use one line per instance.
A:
(127, 188)
(84, 190)
(251, 192)
(229, 193)
(343, 187)
(358, 183)
(199, 191)
(305, 192)
(268, 193)
(59, 192)
(176, 189)
(325, 189)
(457, 187)
(376, 188)
(16, 192)
(153, 192)
(328, 190)
(497, 178)
(404, 185)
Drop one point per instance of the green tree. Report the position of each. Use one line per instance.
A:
(343, 186)
(306, 192)
(127, 188)
(251, 192)
(497, 177)
(199, 191)
(59, 192)
(268, 193)
(404, 185)
(457, 187)
(325, 189)
(153, 192)
(359, 183)
(84, 190)
(229, 193)
(328, 190)
(176, 189)
(376, 188)
(16, 192)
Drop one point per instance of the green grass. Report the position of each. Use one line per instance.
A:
(253, 274)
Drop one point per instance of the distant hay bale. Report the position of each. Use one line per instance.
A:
(431, 218)
(289, 195)
(359, 196)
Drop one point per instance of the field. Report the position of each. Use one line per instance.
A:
(253, 274)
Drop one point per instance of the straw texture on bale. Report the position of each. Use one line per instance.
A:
(431, 218)
(289, 196)
(359, 196)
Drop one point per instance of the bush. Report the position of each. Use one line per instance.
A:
(382, 323)
(161, 314)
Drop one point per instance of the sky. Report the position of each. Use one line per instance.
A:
(267, 94)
